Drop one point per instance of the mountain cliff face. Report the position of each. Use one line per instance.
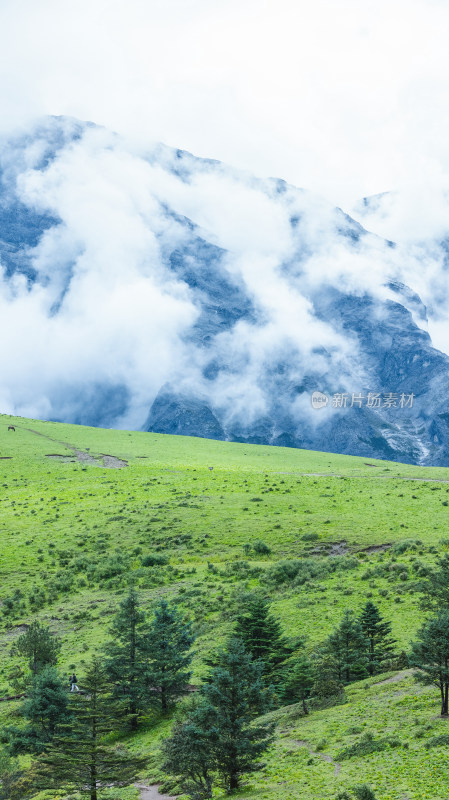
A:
(152, 289)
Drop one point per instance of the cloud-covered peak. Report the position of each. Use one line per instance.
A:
(129, 274)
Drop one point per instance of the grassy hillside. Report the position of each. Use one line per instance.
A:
(80, 508)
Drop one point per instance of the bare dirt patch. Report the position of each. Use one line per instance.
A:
(376, 548)
(86, 458)
(152, 793)
(338, 548)
(15, 632)
(405, 673)
(112, 462)
(83, 456)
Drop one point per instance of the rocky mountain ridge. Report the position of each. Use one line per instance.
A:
(161, 291)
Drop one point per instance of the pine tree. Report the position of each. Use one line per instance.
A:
(46, 709)
(430, 655)
(262, 637)
(299, 679)
(233, 697)
(169, 640)
(189, 753)
(127, 661)
(436, 588)
(327, 690)
(381, 645)
(348, 648)
(364, 792)
(78, 757)
(39, 646)
(402, 661)
(220, 735)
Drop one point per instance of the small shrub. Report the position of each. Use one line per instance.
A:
(364, 792)
(80, 564)
(261, 548)
(353, 730)
(438, 741)
(423, 730)
(406, 544)
(421, 569)
(298, 572)
(367, 745)
(110, 567)
(37, 598)
(242, 568)
(154, 560)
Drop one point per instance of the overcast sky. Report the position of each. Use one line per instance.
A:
(345, 97)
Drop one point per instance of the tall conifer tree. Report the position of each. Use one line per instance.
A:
(169, 640)
(347, 646)
(381, 645)
(430, 655)
(127, 659)
(39, 646)
(220, 736)
(298, 681)
(436, 588)
(262, 636)
(189, 752)
(79, 756)
(46, 709)
(235, 695)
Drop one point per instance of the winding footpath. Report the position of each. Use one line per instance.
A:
(102, 460)
(152, 793)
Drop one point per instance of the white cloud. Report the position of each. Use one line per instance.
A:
(101, 267)
(107, 309)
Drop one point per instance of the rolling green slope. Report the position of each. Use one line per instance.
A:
(80, 508)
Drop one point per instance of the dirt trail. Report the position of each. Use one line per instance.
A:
(405, 673)
(152, 793)
(323, 756)
(102, 460)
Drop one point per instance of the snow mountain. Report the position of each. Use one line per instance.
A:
(144, 287)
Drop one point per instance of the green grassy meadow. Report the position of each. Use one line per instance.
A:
(73, 533)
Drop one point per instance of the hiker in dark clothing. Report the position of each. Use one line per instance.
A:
(73, 684)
